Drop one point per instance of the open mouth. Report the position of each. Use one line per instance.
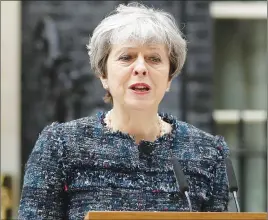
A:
(140, 87)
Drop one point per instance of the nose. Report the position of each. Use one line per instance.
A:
(140, 68)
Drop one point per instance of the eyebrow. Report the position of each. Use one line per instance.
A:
(126, 48)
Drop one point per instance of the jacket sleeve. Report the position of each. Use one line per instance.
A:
(42, 195)
(219, 195)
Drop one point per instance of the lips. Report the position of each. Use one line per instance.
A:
(140, 87)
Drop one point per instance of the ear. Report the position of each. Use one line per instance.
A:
(104, 82)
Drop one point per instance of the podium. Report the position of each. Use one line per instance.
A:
(129, 215)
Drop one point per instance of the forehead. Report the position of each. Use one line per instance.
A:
(117, 48)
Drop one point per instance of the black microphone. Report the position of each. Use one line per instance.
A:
(181, 180)
(145, 151)
(233, 186)
(145, 148)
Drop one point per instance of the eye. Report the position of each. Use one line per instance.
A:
(125, 58)
(155, 59)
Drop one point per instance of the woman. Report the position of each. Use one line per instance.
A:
(120, 160)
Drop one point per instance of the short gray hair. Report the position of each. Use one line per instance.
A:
(139, 23)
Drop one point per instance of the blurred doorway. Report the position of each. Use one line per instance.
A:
(240, 88)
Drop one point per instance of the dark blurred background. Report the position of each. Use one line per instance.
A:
(46, 77)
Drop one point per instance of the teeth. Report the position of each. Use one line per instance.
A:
(140, 87)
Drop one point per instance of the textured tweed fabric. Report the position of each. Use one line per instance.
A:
(81, 165)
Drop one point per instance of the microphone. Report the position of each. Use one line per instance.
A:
(181, 180)
(145, 148)
(145, 151)
(233, 186)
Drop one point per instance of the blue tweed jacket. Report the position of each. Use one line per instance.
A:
(81, 165)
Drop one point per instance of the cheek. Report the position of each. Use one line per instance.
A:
(161, 78)
(119, 78)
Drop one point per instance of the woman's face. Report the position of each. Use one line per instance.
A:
(138, 76)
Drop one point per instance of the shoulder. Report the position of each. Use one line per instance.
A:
(193, 139)
(203, 141)
(80, 126)
(192, 132)
(61, 135)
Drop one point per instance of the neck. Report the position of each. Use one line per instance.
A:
(143, 125)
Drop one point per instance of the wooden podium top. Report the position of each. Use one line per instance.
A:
(127, 215)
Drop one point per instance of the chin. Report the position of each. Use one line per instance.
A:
(139, 104)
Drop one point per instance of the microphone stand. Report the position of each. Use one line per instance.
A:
(236, 201)
(189, 201)
(181, 180)
(233, 186)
